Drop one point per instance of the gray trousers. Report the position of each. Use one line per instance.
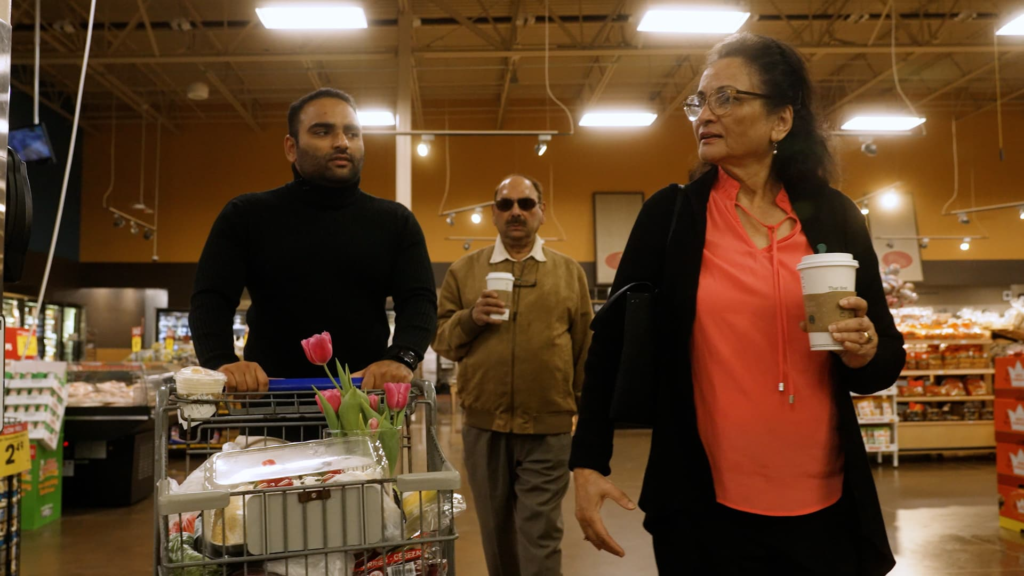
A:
(518, 482)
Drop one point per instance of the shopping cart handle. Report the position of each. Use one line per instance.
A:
(424, 481)
(168, 504)
(304, 384)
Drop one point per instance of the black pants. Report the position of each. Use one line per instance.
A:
(728, 542)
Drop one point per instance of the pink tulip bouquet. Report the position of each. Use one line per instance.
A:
(349, 410)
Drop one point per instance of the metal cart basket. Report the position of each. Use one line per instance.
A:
(377, 526)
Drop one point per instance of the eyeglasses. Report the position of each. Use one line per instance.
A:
(506, 204)
(720, 101)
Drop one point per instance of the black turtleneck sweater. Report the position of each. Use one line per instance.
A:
(313, 258)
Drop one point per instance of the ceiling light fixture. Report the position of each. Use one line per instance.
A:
(964, 219)
(542, 144)
(147, 234)
(376, 118)
(477, 216)
(618, 119)
(890, 200)
(924, 243)
(864, 209)
(118, 221)
(312, 16)
(882, 123)
(1014, 27)
(134, 228)
(1022, 212)
(450, 219)
(966, 244)
(692, 21)
(423, 148)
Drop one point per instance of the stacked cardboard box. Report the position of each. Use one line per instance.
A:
(1009, 416)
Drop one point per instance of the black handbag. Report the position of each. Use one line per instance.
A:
(633, 308)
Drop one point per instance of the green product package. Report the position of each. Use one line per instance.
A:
(41, 486)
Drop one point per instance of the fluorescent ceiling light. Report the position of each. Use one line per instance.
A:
(376, 118)
(1014, 28)
(883, 123)
(617, 119)
(311, 16)
(692, 21)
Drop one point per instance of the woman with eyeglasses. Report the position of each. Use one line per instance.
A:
(756, 464)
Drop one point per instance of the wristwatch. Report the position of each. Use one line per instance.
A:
(406, 357)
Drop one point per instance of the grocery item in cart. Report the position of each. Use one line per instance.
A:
(201, 386)
(293, 461)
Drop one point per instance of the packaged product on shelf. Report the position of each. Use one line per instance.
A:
(886, 409)
(932, 390)
(952, 387)
(976, 386)
(882, 436)
(1010, 372)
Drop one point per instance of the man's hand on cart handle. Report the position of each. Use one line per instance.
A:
(245, 377)
(376, 375)
(592, 489)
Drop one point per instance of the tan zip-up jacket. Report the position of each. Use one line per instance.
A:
(525, 375)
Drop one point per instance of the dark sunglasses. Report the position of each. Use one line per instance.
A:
(506, 204)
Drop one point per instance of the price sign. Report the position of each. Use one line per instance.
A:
(15, 341)
(136, 339)
(14, 450)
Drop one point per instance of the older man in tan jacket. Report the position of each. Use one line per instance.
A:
(519, 380)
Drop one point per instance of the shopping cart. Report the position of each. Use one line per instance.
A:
(357, 528)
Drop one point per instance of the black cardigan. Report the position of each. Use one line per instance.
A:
(678, 478)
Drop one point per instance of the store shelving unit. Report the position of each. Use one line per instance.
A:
(949, 435)
(888, 395)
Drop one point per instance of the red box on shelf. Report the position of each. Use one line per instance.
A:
(1011, 502)
(1010, 373)
(1009, 415)
(1010, 459)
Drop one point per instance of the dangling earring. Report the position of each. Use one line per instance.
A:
(775, 148)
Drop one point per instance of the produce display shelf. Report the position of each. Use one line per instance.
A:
(954, 341)
(878, 420)
(949, 423)
(963, 372)
(945, 398)
(882, 449)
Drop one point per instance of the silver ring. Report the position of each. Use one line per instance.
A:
(869, 338)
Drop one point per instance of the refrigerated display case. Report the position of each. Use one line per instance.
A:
(177, 319)
(62, 327)
(12, 312)
(71, 348)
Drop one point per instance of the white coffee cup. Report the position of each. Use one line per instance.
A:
(826, 279)
(502, 283)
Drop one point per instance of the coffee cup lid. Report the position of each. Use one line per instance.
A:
(829, 259)
(500, 276)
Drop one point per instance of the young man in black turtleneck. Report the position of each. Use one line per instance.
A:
(317, 254)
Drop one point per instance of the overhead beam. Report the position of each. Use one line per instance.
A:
(987, 107)
(149, 26)
(679, 99)
(128, 29)
(242, 110)
(466, 23)
(27, 89)
(71, 59)
(868, 85)
(510, 71)
(963, 79)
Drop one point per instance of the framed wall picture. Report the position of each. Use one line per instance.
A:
(614, 215)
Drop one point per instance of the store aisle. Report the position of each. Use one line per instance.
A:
(941, 517)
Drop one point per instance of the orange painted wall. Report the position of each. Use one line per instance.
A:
(206, 165)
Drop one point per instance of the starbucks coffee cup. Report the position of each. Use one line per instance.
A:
(826, 279)
(502, 283)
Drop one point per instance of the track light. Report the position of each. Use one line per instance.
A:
(542, 144)
(1022, 212)
(478, 216)
(423, 148)
(118, 221)
(450, 219)
(147, 234)
(467, 245)
(966, 244)
(890, 244)
(964, 218)
(864, 209)
(924, 243)
(134, 228)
